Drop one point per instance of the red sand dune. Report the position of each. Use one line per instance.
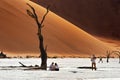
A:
(18, 33)
(98, 17)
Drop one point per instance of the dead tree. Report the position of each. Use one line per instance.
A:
(108, 55)
(118, 54)
(40, 36)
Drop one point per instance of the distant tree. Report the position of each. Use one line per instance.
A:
(108, 56)
(2, 55)
(118, 54)
(40, 36)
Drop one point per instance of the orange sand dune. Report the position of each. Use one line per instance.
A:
(98, 17)
(18, 33)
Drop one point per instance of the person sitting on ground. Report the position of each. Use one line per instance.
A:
(52, 67)
(56, 67)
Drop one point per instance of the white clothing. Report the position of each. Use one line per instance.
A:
(93, 59)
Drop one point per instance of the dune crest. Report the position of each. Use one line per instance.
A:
(99, 18)
(18, 33)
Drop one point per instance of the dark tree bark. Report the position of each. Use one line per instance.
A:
(108, 56)
(40, 36)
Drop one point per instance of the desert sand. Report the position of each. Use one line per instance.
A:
(99, 18)
(18, 33)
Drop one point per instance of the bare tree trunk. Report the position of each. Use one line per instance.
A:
(107, 59)
(43, 53)
(40, 36)
(108, 56)
(119, 58)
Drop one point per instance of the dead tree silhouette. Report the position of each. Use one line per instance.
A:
(118, 54)
(40, 36)
(108, 56)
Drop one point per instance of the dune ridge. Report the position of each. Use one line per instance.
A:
(99, 18)
(18, 33)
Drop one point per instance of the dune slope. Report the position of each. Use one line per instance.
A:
(18, 33)
(99, 18)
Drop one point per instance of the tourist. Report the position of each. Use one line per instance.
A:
(52, 67)
(100, 59)
(93, 58)
(56, 67)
